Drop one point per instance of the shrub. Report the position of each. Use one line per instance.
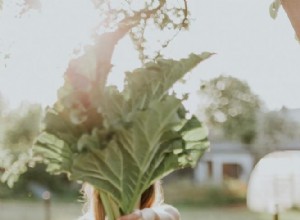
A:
(186, 192)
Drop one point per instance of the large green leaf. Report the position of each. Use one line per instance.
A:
(122, 142)
(155, 79)
(144, 85)
(137, 155)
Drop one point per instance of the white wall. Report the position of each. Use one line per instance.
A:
(243, 159)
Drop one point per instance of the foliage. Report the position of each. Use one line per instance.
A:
(2, 106)
(26, 187)
(121, 142)
(166, 15)
(21, 126)
(274, 7)
(19, 129)
(230, 106)
(140, 135)
(275, 130)
(232, 192)
(276, 124)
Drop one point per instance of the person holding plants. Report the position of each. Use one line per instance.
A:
(151, 206)
(120, 142)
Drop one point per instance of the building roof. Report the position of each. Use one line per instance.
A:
(230, 147)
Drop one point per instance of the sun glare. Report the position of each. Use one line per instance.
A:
(37, 39)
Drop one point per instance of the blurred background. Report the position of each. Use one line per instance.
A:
(246, 94)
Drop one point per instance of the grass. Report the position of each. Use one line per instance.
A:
(191, 193)
(231, 213)
(16, 210)
(21, 210)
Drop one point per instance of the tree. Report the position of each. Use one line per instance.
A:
(275, 130)
(94, 65)
(78, 111)
(230, 106)
(2, 109)
(3, 106)
(19, 129)
(165, 15)
(21, 126)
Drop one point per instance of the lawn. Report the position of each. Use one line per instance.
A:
(15, 210)
(236, 213)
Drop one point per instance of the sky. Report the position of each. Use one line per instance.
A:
(248, 43)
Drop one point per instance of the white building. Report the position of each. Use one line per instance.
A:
(224, 160)
(229, 159)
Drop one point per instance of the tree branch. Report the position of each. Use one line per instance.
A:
(185, 11)
(96, 60)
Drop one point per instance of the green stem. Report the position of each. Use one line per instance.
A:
(114, 207)
(110, 206)
(106, 205)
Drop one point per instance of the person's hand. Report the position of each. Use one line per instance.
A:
(137, 215)
(161, 212)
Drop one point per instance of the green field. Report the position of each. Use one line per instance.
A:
(15, 210)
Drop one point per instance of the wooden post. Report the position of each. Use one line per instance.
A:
(46, 198)
(276, 215)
